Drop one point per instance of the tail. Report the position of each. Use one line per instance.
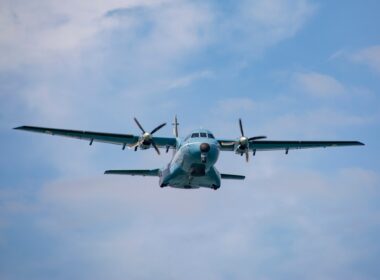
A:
(140, 172)
(232, 176)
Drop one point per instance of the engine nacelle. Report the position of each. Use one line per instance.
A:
(239, 150)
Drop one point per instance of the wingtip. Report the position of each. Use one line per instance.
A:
(19, 127)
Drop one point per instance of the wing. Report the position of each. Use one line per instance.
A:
(292, 145)
(268, 145)
(111, 138)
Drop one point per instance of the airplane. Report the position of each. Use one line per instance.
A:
(193, 163)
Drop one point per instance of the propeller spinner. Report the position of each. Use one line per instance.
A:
(147, 138)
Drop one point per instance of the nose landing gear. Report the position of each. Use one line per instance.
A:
(203, 157)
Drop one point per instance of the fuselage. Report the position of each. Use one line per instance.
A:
(192, 165)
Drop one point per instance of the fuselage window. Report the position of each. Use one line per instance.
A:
(211, 136)
(204, 135)
(195, 135)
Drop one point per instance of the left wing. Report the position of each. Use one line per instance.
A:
(111, 138)
(268, 145)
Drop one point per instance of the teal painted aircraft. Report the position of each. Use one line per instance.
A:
(194, 157)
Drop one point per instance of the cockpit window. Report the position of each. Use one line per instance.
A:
(195, 135)
(211, 136)
(204, 135)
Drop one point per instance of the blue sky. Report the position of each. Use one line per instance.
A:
(292, 69)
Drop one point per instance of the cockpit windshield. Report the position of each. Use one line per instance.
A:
(201, 134)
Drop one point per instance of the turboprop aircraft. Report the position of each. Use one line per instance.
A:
(194, 157)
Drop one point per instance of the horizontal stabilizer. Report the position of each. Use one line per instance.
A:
(139, 172)
(232, 177)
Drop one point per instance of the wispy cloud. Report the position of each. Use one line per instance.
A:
(235, 105)
(318, 85)
(188, 79)
(369, 56)
(257, 25)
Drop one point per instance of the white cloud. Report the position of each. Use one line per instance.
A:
(42, 31)
(120, 224)
(39, 31)
(318, 85)
(263, 23)
(188, 79)
(320, 122)
(235, 105)
(75, 51)
(369, 56)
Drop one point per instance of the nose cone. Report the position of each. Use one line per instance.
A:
(204, 147)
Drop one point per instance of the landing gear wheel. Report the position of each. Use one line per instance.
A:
(215, 187)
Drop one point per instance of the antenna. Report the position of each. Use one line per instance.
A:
(175, 126)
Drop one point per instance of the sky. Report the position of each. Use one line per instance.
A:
(291, 69)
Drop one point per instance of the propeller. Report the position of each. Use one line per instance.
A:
(147, 137)
(244, 141)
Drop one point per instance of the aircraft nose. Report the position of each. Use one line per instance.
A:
(204, 147)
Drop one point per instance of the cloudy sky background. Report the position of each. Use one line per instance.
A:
(292, 69)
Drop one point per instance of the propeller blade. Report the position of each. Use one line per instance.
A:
(158, 128)
(241, 127)
(246, 155)
(139, 125)
(256, 138)
(155, 147)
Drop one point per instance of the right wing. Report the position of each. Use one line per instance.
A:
(111, 138)
(232, 176)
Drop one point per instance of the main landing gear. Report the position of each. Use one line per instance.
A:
(215, 187)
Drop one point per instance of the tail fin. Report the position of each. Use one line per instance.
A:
(140, 172)
(232, 177)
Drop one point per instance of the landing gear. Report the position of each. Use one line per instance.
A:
(215, 187)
